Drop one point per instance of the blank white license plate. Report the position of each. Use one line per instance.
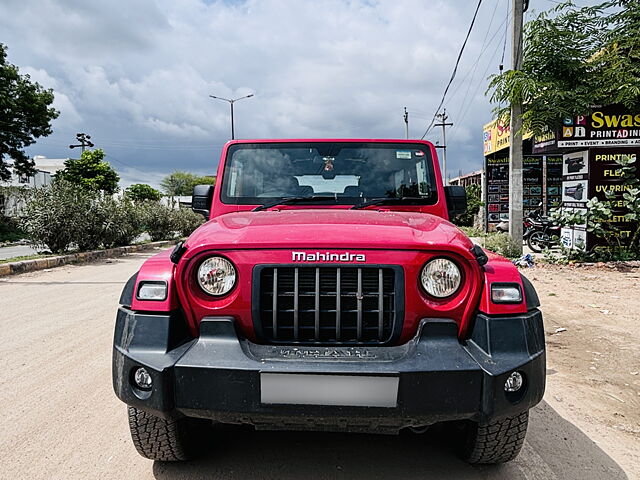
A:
(344, 390)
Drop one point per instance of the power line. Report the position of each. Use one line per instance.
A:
(476, 63)
(455, 68)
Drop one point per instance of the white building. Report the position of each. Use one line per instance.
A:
(46, 168)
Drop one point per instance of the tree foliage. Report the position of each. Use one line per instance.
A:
(474, 202)
(91, 171)
(574, 59)
(182, 183)
(25, 114)
(141, 192)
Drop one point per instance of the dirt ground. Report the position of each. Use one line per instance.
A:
(594, 365)
(59, 417)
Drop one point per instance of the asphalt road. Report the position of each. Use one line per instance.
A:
(60, 419)
(17, 251)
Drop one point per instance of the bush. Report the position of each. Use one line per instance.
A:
(159, 221)
(56, 216)
(124, 223)
(187, 221)
(502, 244)
(10, 230)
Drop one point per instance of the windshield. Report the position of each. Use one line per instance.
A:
(348, 171)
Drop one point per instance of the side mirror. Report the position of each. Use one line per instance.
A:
(456, 200)
(202, 199)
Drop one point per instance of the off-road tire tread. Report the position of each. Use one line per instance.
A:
(156, 438)
(496, 442)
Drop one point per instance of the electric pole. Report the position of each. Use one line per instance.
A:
(85, 141)
(515, 148)
(406, 123)
(443, 123)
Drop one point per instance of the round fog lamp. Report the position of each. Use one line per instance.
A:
(513, 383)
(142, 378)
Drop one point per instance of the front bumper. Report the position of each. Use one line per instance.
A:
(218, 375)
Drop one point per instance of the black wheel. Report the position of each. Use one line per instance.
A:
(165, 439)
(495, 442)
(537, 241)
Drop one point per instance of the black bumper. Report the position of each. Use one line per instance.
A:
(218, 375)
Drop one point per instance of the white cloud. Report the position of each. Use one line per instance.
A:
(137, 75)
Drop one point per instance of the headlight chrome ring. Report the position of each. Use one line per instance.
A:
(440, 277)
(216, 276)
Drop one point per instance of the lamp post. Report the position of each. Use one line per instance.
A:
(231, 102)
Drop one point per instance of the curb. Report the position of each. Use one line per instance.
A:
(25, 266)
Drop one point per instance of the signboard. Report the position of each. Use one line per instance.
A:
(554, 182)
(608, 126)
(497, 199)
(496, 136)
(588, 174)
(497, 190)
(531, 184)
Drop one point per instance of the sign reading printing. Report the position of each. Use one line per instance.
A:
(606, 126)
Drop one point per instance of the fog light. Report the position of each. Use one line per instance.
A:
(143, 379)
(514, 382)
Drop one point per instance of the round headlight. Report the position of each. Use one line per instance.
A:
(216, 276)
(440, 277)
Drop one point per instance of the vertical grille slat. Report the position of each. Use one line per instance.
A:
(328, 304)
(274, 304)
(316, 317)
(359, 303)
(380, 305)
(295, 304)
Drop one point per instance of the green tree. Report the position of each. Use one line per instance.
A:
(574, 60)
(474, 202)
(140, 192)
(182, 183)
(91, 171)
(25, 114)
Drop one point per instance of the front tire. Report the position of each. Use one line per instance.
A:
(495, 442)
(165, 439)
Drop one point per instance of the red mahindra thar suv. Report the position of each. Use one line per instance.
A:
(329, 291)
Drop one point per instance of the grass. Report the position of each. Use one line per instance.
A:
(25, 257)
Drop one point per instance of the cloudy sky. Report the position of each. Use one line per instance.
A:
(137, 75)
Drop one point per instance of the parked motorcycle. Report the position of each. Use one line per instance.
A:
(544, 234)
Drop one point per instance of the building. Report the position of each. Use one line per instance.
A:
(10, 203)
(473, 178)
(566, 168)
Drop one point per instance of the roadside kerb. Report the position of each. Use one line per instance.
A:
(24, 266)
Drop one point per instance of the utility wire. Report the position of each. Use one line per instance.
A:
(475, 64)
(455, 68)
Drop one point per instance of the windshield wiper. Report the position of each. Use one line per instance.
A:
(290, 200)
(391, 201)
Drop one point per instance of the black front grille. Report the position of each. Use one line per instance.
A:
(327, 304)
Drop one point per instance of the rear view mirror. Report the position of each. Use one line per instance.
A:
(202, 199)
(456, 200)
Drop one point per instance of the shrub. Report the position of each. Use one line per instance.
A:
(56, 216)
(474, 202)
(159, 221)
(123, 224)
(502, 244)
(187, 221)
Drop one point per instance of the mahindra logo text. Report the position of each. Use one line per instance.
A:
(327, 257)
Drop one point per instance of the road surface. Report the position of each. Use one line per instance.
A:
(59, 418)
(17, 251)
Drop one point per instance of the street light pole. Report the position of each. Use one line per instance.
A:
(231, 102)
